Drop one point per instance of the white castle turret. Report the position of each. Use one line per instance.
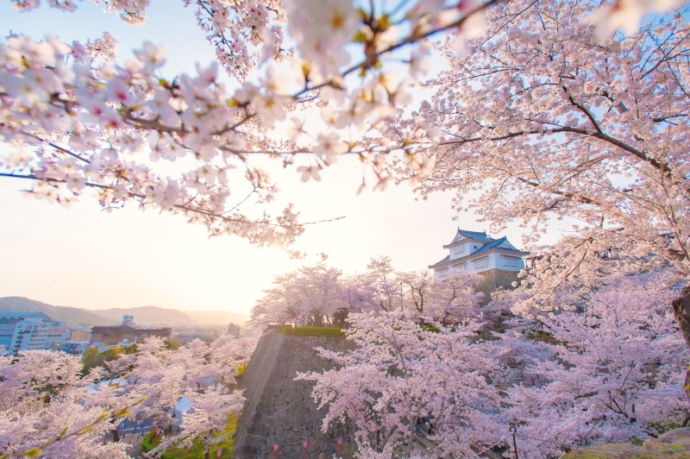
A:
(475, 252)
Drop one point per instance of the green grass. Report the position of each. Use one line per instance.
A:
(328, 332)
(150, 441)
(541, 335)
(431, 328)
(663, 427)
(92, 357)
(196, 449)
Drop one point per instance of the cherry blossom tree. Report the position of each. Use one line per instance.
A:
(387, 289)
(319, 295)
(545, 114)
(73, 119)
(50, 409)
(382, 287)
(202, 373)
(543, 119)
(401, 379)
(606, 374)
(456, 298)
(311, 295)
(416, 287)
(545, 110)
(607, 371)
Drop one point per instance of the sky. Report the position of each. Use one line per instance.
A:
(84, 256)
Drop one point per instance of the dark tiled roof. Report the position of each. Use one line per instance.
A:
(474, 235)
(495, 245)
(489, 244)
(477, 236)
(440, 262)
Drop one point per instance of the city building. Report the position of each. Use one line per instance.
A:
(128, 320)
(74, 347)
(475, 252)
(234, 330)
(189, 336)
(127, 332)
(80, 333)
(78, 341)
(30, 330)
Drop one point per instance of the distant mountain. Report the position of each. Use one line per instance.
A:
(147, 315)
(217, 317)
(144, 315)
(154, 315)
(74, 316)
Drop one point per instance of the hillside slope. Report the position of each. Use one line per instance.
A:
(74, 316)
(147, 315)
(216, 317)
(144, 315)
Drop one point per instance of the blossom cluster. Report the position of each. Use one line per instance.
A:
(609, 371)
(544, 125)
(48, 407)
(322, 296)
(75, 119)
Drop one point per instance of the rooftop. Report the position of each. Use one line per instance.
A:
(127, 329)
(16, 316)
(487, 244)
(465, 234)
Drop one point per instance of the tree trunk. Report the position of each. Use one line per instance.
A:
(681, 309)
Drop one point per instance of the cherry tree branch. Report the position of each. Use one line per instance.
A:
(183, 207)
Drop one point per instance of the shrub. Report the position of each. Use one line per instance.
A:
(240, 369)
(431, 328)
(179, 451)
(94, 358)
(150, 440)
(197, 449)
(328, 332)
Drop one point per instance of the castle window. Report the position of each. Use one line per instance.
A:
(515, 262)
(481, 262)
(457, 250)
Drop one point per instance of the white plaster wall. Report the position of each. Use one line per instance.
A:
(505, 264)
(464, 249)
(494, 261)
(441, 274)
(458, 251)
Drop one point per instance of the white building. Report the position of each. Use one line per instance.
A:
(29, 330)
(475, 252)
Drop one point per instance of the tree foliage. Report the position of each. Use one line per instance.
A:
(49, 406)
(544, 113)
(609, 372)
(317, 296)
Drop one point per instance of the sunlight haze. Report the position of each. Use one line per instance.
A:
(84, 256)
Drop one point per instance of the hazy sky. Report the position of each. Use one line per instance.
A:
(83, 256)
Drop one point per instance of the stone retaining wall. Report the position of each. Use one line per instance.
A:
(279, 410)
